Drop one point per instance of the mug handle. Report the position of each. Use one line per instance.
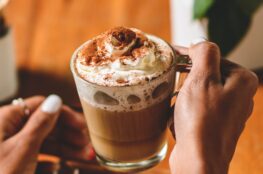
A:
(183, 65)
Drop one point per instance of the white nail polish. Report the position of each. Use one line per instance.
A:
(52, 104)
(198, 40)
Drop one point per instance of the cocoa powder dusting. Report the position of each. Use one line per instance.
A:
(95, 53)
(107, 76)
(122, 81)
(122, 35)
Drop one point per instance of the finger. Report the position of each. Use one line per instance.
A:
(15, 110)
(71, 137)
(206, 61)
(250, 110)
(238, 78)
(83, 154)
(172, 160)
(71, 128)
(13, 117)
(65, 151)
(74, 138)
(43, 120)
(241, 122)
(181, 50)
(247, 110)
(33, 102)
(72, 119)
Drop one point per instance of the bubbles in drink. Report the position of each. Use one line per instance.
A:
(160, 89)
(133, 99)
(105, 99)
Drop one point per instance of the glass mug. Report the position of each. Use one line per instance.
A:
(127, 124)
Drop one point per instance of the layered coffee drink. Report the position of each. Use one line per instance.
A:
(125, 79)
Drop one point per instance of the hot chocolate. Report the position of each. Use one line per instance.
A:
(124, 79)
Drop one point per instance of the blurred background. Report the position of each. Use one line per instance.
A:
(43, 34)
(47, 31)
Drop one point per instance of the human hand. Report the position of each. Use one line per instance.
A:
(210, 113)
(22, 137)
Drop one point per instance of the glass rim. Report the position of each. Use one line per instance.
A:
(76, 74)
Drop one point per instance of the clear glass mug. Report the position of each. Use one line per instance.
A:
(127, 125)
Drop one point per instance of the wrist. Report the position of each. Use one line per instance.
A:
(195, 158)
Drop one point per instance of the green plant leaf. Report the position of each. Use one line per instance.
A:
(227, 25)
(249, 6)
(201, 7)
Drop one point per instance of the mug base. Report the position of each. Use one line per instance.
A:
(126, 167)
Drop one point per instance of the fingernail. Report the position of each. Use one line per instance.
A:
(91, 153)
(198, 40)
(52, 104)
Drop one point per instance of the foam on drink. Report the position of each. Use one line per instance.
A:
(123, 57)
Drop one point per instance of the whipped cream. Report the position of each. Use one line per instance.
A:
(123, 56)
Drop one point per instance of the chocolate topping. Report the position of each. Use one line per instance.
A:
(129, 43)
(123, 56)
(121, 36)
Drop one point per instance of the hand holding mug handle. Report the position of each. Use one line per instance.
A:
(211, 111)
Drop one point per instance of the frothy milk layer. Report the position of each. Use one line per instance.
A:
(123, 57)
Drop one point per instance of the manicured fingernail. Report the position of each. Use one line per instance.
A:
(52, 104)
(198, 40)
(90, 152)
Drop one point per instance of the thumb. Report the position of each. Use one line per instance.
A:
(43, 120)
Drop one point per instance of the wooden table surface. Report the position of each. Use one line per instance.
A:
(47, 32)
